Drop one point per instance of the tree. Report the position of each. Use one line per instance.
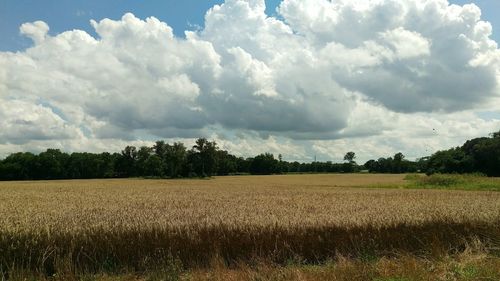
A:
(264, 164)
(486, 157)
(143, 155)
(397, 166)
(447, 161)
(206, 154)
(175, 157)
(371, 165)
(108, 164)
(83, 165)
(398, 157)
(159, 148)
(153, 166)
(350, 156)
(281, 165)
(350, 166)
(52, 164)
(226, 163)
(19, 166)
(126, 163)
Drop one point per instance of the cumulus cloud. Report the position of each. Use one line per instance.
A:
(323, 73)
(419, 54)
(37, 30)
(21, 122)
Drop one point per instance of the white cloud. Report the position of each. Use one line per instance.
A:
(37, 31)
(423, 51)
(374, 76)
(407, 44)
(22, 122)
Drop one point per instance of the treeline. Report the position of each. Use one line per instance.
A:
(162, 160)
(479, 155)
(394, 165)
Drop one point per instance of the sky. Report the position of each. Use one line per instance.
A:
(63, 15)
(292, 77)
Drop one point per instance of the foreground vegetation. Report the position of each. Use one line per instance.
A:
(140, 226)
(465, 266)
(474, 263)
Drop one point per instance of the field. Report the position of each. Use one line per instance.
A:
(135, 225)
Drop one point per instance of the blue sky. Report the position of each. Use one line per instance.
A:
(62, 15)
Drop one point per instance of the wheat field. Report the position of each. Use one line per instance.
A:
(91, 225)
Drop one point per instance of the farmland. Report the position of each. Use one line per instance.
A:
(134, 224)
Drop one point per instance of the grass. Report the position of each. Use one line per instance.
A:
(166, 230)
(469, 182)
(469, 266)
(457, 182)
(465, 266)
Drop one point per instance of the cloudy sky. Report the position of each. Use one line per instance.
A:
(296, 77)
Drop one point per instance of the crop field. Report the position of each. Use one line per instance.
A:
(135, 224)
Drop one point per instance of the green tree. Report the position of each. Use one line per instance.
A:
(264, 164)
(350, 166)
(175, 157)
(126, 163)
(52, 164)
(399, 157)
(371, 165)
(206, 154)
(350, 156)
(19, 166)
(142, 157)
(226, 163)
(159, 148)
(397, 166)
(153, 167)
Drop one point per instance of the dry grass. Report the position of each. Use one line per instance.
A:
(109, 225)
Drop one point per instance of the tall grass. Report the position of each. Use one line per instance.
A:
(472, 264)
(466, 266)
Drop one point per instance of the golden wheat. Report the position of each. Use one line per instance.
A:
(93, 224)
(306, 200)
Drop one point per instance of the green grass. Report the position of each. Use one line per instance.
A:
(472, 182)
(457, 182)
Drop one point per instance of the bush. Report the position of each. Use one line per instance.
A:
(441, 180)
